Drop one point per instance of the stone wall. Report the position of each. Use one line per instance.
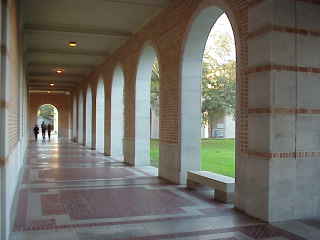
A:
(284, 111)
(13, 114)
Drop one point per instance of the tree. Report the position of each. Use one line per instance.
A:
(46, 112)
(218, 80)
(155, 87)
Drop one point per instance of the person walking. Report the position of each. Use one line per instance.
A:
(49, 128)
(43, 130)
(36, 131)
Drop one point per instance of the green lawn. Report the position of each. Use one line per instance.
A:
(154, 152)
(217, 155)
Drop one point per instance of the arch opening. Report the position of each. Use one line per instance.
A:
(145, 107)
(208, 94)
(155, 115)
(80, 119)
(100, 117)
(117, 114)
(74, 119)
(88, 142)
(48, 114)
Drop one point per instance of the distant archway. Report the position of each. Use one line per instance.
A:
(100, 116)
(49, 114)
(80, 119)
(117, 114)
(143, 106)
(88, 142)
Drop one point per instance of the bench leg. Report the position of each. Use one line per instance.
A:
(223, 196)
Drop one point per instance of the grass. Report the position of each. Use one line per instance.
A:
(154, 152)
(217, 155)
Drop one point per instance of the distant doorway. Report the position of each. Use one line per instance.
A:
(48, 114)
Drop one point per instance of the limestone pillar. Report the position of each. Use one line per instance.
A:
(279, 178)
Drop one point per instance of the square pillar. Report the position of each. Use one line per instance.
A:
(280, 175)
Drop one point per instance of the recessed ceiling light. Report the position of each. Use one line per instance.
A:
(73, 44)
(60, 71)
(51, 84)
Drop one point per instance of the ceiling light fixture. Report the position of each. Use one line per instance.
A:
(73, 44)
(60, 71)
(51, 84)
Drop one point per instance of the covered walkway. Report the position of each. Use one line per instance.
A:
(93, 69)
(71, 193)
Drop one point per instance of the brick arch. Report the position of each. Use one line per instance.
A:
(74, 117)
(89, 116)
(117, 112)
(100, 114)
(194, 42)
(166, 32)
(147, 56)
(80, 117)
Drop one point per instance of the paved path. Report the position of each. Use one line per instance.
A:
(71, 193)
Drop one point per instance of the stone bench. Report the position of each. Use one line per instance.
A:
(223, 185)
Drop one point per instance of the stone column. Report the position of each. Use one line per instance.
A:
(279, 178)
(94, 117)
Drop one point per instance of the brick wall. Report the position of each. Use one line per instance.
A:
(167, 34)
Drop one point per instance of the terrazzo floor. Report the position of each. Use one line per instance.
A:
(71, 193)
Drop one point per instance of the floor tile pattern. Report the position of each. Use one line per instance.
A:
(69, 192)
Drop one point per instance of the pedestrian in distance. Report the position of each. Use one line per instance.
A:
(43, 130)
(36, 131)
(49, 128)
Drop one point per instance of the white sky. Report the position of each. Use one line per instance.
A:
(222, 26)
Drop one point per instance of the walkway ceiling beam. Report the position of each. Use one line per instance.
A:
(75, 30)
(52, 91)
(64, 83)
(66, 52)
(53, 80)
(49, 88)
(137, 3)
(54, 75)
(62, 65)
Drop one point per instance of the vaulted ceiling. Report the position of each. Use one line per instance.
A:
(98, 26)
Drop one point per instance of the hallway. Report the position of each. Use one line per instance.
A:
(69, 192)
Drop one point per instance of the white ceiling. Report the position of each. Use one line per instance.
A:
(98, 26)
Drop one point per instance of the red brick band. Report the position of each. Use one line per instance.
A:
(254, 3)
(284, 154)
(277, 28)
(271, 67)
(316, 2)
(283, 111)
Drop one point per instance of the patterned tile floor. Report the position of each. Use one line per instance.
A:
(71, 193)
